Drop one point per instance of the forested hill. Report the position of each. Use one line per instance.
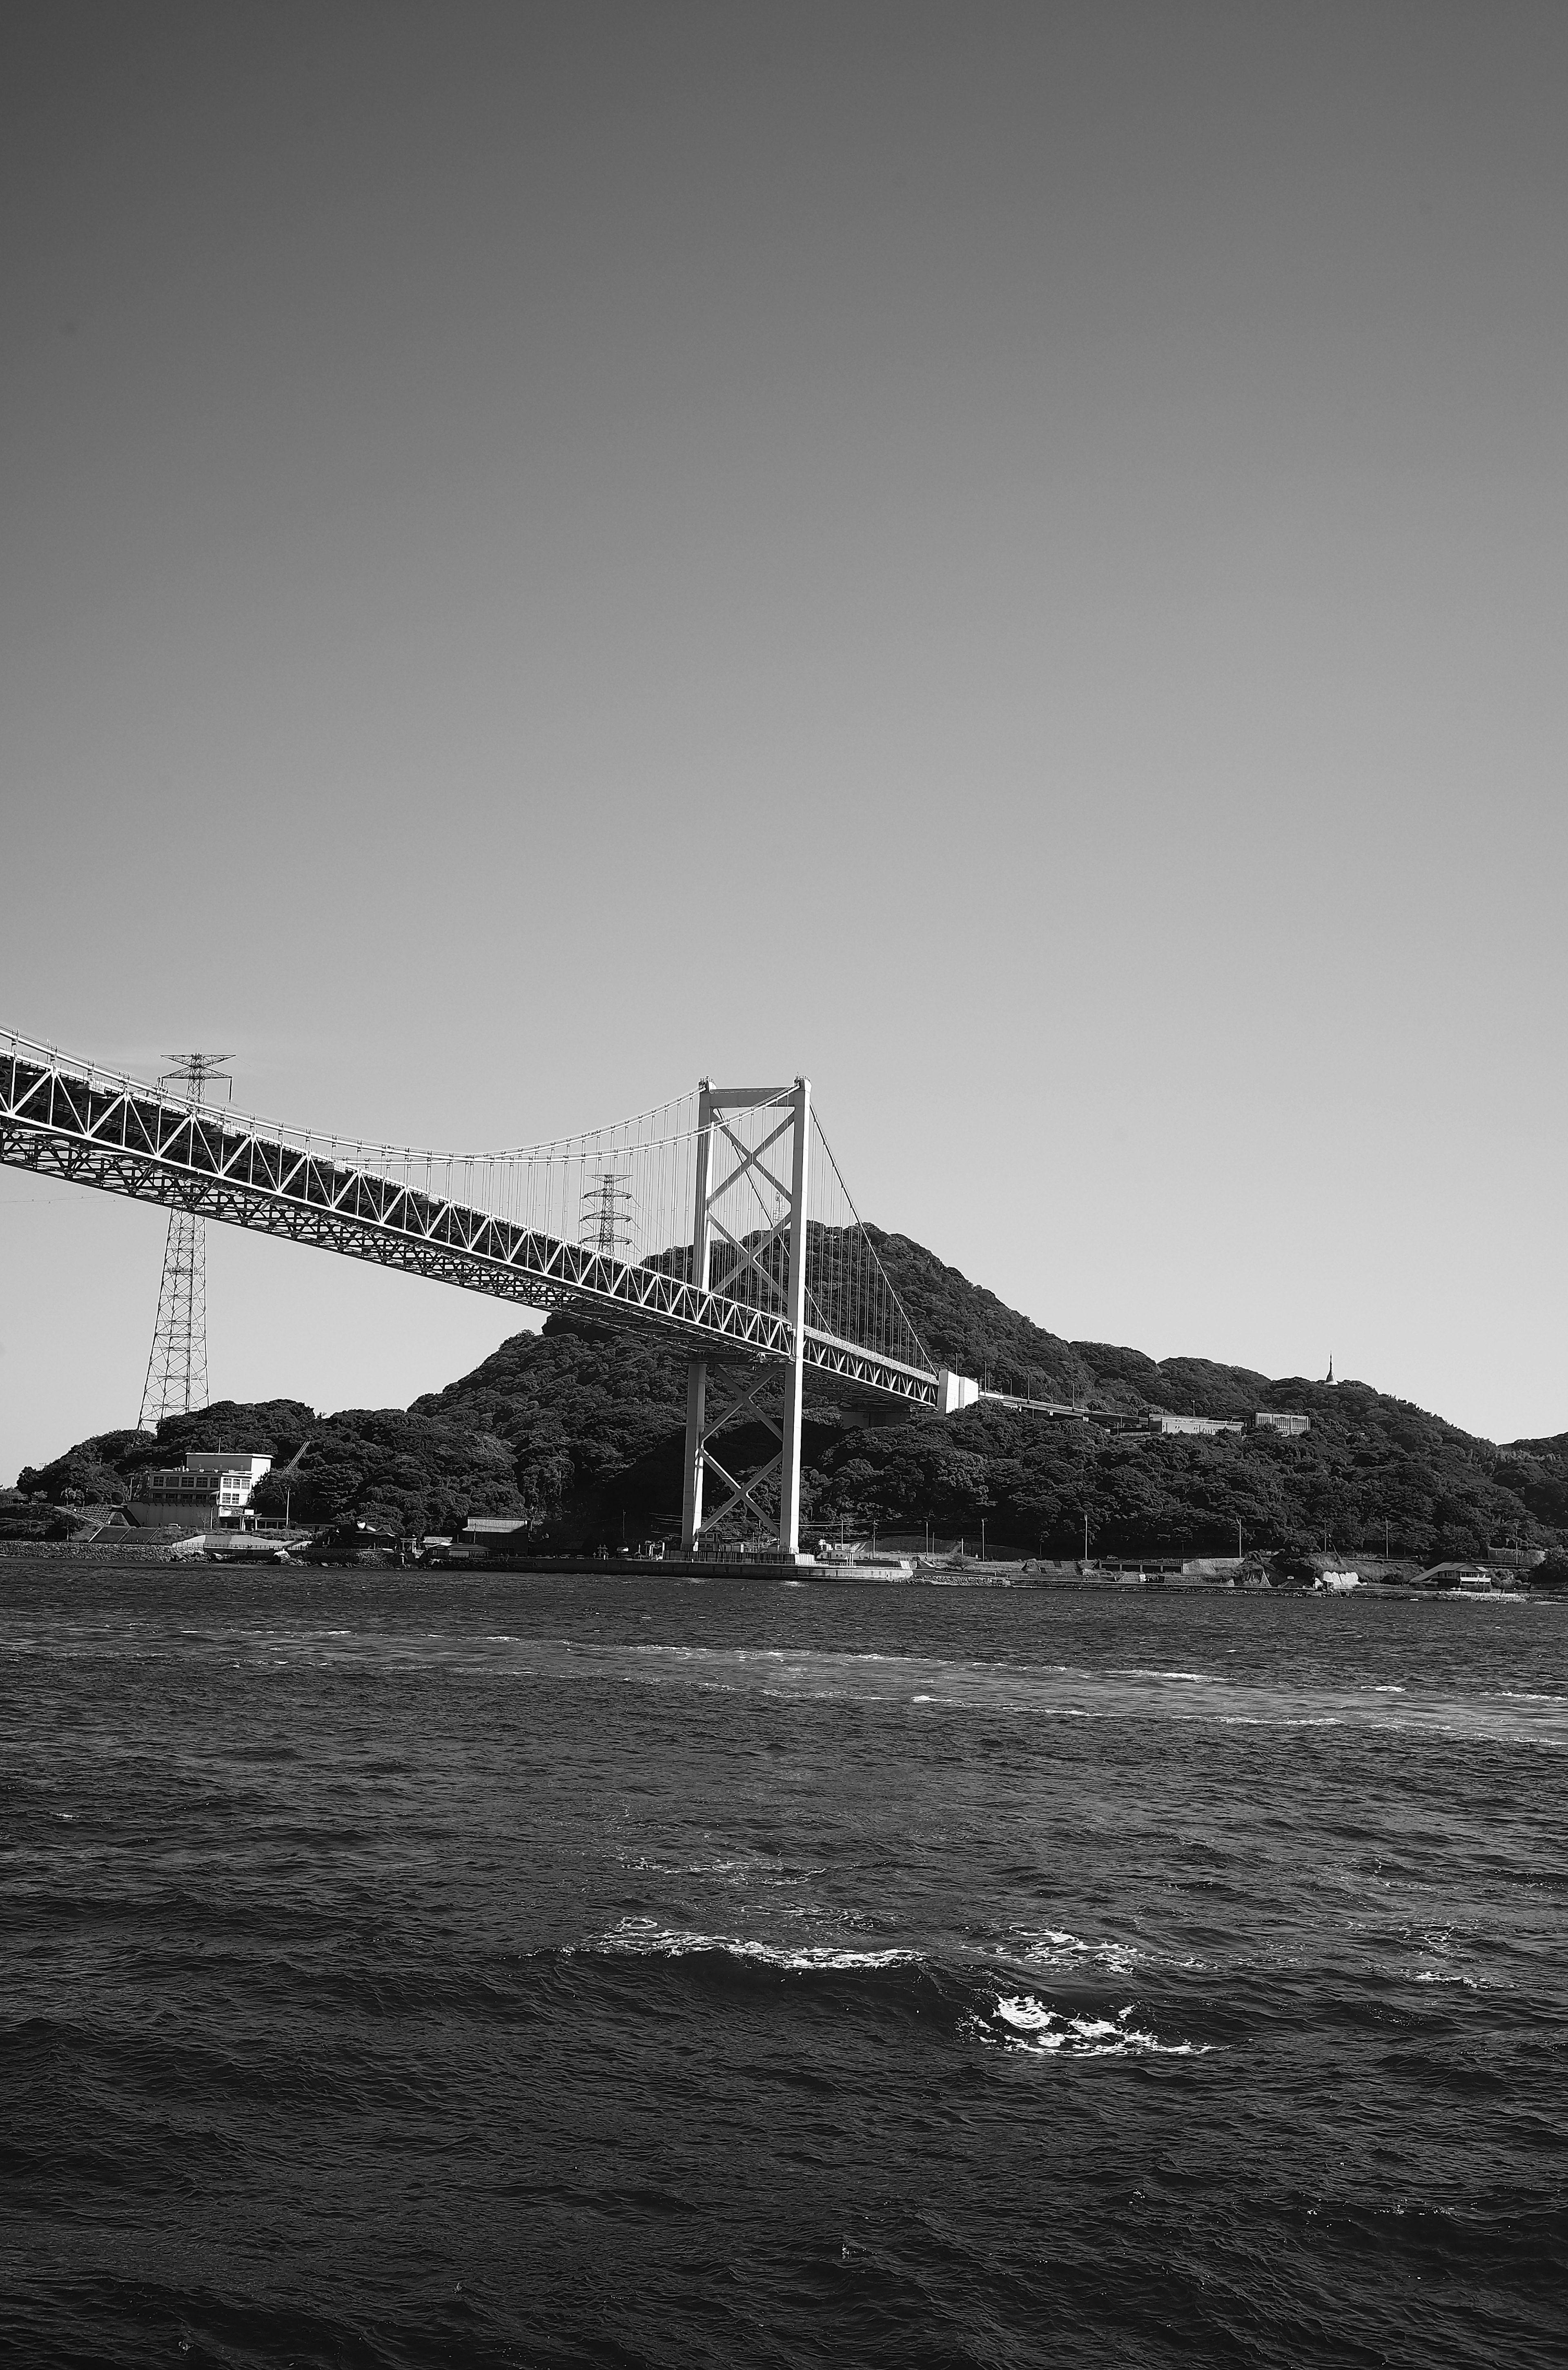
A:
(578, 1430)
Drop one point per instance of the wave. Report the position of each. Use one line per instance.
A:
(1206, 1678)
(969, 1996)
(747, 1867)
(812, 1672)
(644, 1938)
(1053, 1947)
(1029, 2026)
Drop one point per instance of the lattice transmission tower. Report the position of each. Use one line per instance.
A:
(606, 1223)
(177, 1364)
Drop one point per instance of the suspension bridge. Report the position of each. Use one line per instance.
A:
(719, 1222)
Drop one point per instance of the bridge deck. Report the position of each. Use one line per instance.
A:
(109, 1132)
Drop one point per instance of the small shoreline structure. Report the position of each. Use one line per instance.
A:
(488, 1546)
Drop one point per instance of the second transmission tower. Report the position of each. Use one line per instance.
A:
(177, 1366)
(606, 1223)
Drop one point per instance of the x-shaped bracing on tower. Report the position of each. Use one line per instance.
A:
(728, 1170)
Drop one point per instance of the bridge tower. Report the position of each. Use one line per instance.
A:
(176, 1363)
(765, 1261)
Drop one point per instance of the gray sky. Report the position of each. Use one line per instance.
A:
(1011, 560)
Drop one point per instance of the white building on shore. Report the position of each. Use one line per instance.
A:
(210, 1490)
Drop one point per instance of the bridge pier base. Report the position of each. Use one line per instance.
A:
(696, 1460)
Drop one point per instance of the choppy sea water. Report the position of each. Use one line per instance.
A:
(418, 1970)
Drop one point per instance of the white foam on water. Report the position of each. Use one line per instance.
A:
(643, 1938)
(1032, 1691)
(744, 1869)
(1260, 1719)
(1206, 1678)
(1028, 2025)
(1055, 1947)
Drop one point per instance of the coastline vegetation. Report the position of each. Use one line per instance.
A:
(577, 1432)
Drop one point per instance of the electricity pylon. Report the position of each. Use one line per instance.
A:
(177, 1364)
(606, 1223)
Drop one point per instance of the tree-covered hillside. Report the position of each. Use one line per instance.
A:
(578, 1432)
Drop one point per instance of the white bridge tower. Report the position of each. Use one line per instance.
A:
(749, 1240)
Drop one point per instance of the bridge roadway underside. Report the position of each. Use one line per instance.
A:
(116, 1138)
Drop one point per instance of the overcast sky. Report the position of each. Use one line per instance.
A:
(1013, 561)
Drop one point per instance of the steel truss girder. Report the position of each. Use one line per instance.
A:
(124, 1138)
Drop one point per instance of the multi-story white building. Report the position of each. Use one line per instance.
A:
(213, 1485)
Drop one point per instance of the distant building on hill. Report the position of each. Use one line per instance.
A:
(1285, 1420)
(1202, 1425)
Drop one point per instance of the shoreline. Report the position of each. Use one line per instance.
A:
(991, 1576)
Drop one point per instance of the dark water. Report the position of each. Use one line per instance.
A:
(407, 1971)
